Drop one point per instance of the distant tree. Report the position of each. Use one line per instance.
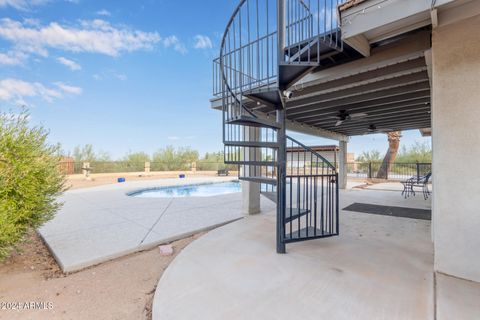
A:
(370, 156)
(187, 155)
(211, 161)
(136, 157)
(30, 179)
(169, 158)
(421, 152)
(87, 153)
(390, 156)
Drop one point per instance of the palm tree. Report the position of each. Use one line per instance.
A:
(393, 145)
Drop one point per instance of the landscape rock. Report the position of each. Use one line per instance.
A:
(166, 250)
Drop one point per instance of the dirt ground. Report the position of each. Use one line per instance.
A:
(119, 289)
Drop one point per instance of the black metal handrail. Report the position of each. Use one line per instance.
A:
(267, 39)
(332, 166)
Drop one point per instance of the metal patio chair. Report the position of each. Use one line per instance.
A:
(416, 181)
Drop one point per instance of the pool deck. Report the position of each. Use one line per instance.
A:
(102, 223)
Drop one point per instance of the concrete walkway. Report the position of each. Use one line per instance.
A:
(102, 223)
(380, 267)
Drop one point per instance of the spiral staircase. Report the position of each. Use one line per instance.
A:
(267, 47)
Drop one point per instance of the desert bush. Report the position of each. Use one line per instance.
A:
(420, 151)
(170, 158)
(88, 154)
(30, 179)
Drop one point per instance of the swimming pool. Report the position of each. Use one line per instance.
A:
(192, 190)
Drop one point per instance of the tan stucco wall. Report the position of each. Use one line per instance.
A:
(456, 148)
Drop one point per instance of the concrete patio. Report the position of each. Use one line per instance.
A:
(380, 267)
(101, 223)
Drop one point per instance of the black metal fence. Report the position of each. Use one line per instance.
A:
(396, 171)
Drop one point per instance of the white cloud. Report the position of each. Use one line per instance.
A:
(12, 58)
(173, 41)
(68, 89)
(95, 36)
(18, 90)
(202, 42)
(69, 63)
(14, 89)
(121, 76)
(104, 13)
(173, 138)
(22, 4)
(109, 74)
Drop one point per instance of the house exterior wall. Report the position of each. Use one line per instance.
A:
(456, 149)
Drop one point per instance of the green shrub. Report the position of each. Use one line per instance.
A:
(170, 158)
(30, 179)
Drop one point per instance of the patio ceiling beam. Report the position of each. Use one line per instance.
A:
(383, 109)
(422, 86)
(400, 100)
(398, 127)
(410, 47)
(378, 112)
(422, 109)
(394, 125)
(401, 119)
(369, 76)
(378, 123)
(402, 128)
(413, 78)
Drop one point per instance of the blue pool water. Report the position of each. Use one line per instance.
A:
(197, 190)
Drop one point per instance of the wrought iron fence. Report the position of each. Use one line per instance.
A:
(396, 171)
(71, 167)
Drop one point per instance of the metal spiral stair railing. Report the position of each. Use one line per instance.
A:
(252, 71)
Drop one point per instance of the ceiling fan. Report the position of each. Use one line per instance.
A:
(343, 116)
(373, 129)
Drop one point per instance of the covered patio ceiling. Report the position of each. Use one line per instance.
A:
(392, 87)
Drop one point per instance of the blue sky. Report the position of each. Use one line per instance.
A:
(121, 75)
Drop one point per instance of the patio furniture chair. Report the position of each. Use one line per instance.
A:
(416, 181)
(222, 172)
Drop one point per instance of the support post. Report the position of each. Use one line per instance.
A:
(281, 133)
(194, 167)
(342, 167)
(86, 170)
(147, 167)
(418, 170)
(251, 190)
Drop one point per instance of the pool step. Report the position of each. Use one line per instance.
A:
(295, 214)
(272, 181)
(309, 232)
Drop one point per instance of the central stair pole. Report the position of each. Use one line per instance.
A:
(281, 182)
(281, 133)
